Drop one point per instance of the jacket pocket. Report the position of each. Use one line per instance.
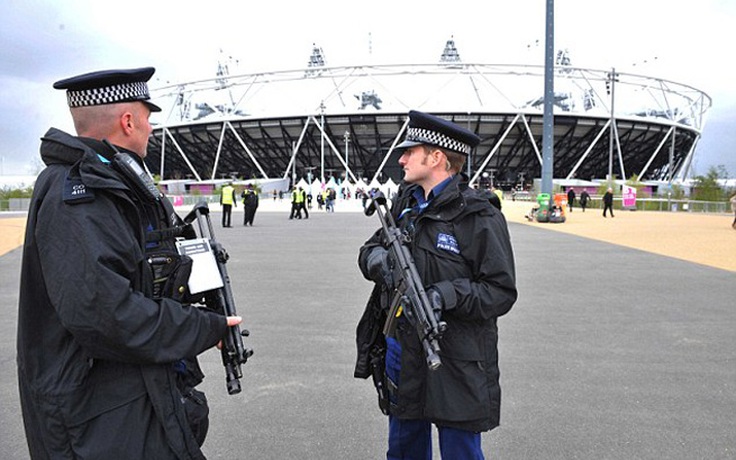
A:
(458, 391)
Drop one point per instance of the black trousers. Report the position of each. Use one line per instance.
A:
(249, 214)
(227, 212)
(295, 211)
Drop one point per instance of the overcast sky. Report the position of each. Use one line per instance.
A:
(42, 41)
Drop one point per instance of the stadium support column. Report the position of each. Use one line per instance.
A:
(549, 97)
(611, 89)
(671, 167)
(293, 165)
(322, 141)
(347, 142)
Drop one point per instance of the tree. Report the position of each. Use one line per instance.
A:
(706, 188)
(603, 187)
(8, 192)
(635, 183)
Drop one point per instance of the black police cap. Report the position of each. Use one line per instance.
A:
(109, 87)
(429, 129)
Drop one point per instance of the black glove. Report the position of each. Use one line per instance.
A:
(378, 264)
(436, 301)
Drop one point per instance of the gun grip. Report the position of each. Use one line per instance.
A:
(200, 207)
(377, 199)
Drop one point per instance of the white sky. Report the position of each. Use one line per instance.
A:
(42, 41)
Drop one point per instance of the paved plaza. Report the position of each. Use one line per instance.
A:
(611, 352)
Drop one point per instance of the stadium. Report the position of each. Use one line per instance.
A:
(322, 122)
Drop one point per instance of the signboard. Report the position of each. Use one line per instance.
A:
(628, 197)
(205, 275)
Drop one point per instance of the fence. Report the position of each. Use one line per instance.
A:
(647, 204)
(642, 204)
(22, 204)
(15, 204)
(664, 204)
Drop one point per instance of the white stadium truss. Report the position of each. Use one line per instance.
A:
(345, 121)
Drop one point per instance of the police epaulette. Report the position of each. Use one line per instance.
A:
(75, 191)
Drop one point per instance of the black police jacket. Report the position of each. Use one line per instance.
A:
(95, 352)
(461, 246)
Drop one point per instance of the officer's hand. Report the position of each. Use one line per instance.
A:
(234, 320)
(436, 301)
(231, 321)
(379, 268)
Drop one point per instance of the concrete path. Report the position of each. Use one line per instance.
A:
(611, 352)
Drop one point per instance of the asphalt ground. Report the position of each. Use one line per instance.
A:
(610, 352)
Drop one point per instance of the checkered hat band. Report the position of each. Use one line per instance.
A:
(426, 136)
(108, 94)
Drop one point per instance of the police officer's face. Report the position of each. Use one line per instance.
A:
(414, 161)
(142, 129)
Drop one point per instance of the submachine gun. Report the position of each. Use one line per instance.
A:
(219, 298)
(409, 294)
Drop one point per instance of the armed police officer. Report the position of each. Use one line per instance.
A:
(462, 251)
(250, 205)
(107, 343)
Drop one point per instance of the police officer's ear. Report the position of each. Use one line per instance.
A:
(439, 157)
(433, 155)
(127, 122)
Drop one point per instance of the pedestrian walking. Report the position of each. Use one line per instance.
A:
(608, 202)
(297, 202)
(570, 198)
(303, 203)
(584, 198)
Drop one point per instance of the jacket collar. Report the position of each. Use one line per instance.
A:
(58, 147)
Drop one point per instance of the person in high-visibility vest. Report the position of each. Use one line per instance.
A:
(227, 200)
(297, 199)
(303, 203)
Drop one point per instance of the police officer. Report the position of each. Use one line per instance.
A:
(250, 205)
(106, 355)
(297, 202)
(227, 200)
(462, 250)
(303, 203)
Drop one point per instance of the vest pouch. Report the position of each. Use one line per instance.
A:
(170, 276)
(189, 375)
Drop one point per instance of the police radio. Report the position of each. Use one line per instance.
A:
(132, 170)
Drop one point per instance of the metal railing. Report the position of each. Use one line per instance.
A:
(642, 204)
(663, 205)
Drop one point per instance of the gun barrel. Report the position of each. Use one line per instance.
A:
(429, 330)
(233, 352)
(433, 361)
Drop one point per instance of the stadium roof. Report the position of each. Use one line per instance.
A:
(344, 121)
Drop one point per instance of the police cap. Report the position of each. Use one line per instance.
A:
(109, 87)
(432, 130)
